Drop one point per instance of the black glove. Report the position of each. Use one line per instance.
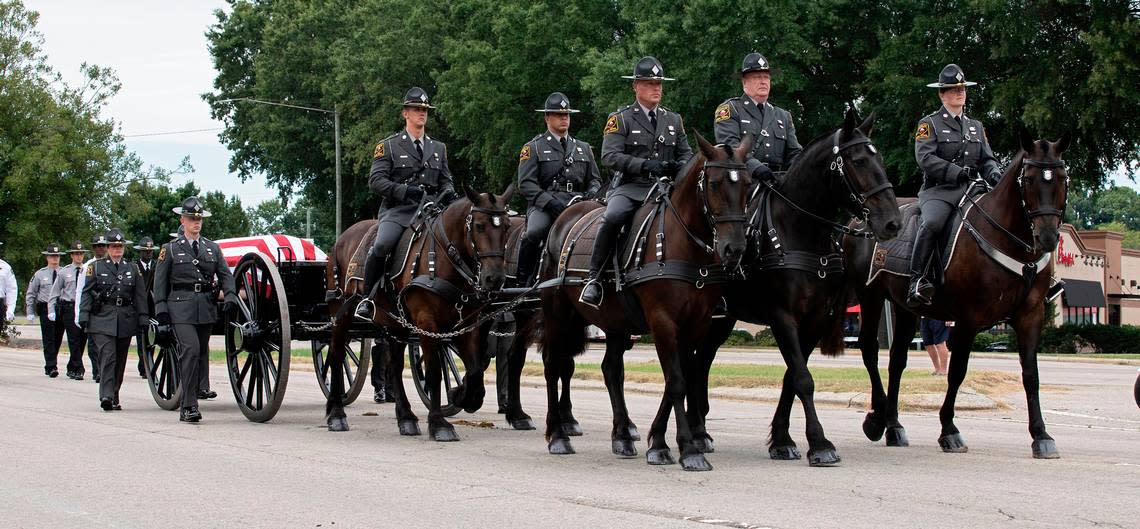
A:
(414, 193)
(670, 168)
(653, 168)
(967, 174)
(230, 309)
(83, 325)
(762, 173)
(448, 197)
(163, 318)
(555, 206)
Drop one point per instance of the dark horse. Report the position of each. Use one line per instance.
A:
(454, 260)
(999, 269)
(793, 273)
(672, 281)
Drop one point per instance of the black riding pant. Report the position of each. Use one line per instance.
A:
(387, 236)
(619, 211)
(113, 355)
(935, 218)
(76, 338)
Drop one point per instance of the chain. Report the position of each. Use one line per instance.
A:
(399, 318)
(309, 327)
(501, 334)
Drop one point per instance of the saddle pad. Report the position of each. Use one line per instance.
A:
(514, 238)
(355, 271)
(574, 259)
(893, 256)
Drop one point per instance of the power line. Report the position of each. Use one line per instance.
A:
(167, 133)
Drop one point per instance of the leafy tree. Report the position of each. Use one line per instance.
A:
(1131, 236)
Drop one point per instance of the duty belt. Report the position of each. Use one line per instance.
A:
(122, 302)
(193, 287)
(567, 186)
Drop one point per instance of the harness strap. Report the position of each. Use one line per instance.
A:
(698, 275)
(1027, 271)
(821, 265)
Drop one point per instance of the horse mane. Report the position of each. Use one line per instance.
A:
(684, 170)
(814, 145)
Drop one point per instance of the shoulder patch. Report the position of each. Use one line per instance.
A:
(379, 153)
(723, 112)
(90, 270)
(923, 132)
(162, 252)
(524, 154)
(611, 125)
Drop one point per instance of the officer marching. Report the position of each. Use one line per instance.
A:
(112, 310)
(146, 249)
(641, 143)
(406, 167)
(775, 146)
(190, 271)
(63, 308)
(9, 289)
(952, 150)
(99, 247)
(554, 169)
(36, 299)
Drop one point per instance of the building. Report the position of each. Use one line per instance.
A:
(1101, 278)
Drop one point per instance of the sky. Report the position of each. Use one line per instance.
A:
(158, 51)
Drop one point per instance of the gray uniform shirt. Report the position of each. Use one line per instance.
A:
(396, 166)
(546, 171)
(8, 289)
(64, 287)
(114, 299)
(943, 148)
(39, 289)
(774, 140)
(629, 139)
(179, 269)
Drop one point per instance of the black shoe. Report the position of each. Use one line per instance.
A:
(207, 395)
(591, 291)
(95, 378)
(379, 396)
(190, 414)
(919, 292)
(142, 374)
(116, 407)
(78, 376)
(389, 396)
(54, 373)
(105, 404)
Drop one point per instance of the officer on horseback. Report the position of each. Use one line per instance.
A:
(554, 169)
(952, 150)
(775, 145)
(406, 167)
(641, 143)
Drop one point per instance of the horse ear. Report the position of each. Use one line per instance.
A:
(1026, 141)
(850, 121)
(1062, 144)
(868, 125)
(505, 198)
(471, 194)
(745, 147)
(708, 149)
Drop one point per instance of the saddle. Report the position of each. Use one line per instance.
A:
(514, 237)
(893, 256)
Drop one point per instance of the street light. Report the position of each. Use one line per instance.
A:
(336, 139)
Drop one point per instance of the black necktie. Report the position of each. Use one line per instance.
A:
(53, 274)
(195, 245)
(563, 142)
(653, 119)
(959, 120)
(419, 149)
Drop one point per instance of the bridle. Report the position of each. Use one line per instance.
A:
(711, 217)
(1047, 175)
(858, 198)
(498, 218)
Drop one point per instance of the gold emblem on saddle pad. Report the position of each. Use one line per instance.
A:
(880, 258)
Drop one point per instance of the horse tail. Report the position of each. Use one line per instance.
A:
(831, 344)
(332, 281)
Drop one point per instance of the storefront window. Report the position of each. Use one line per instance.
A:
(1082, 315)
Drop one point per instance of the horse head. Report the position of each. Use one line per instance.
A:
(1044, 185)
(485, 236)
(860, 167)
(723, 183)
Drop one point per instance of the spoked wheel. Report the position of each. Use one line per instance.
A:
(257, 339)
(451, 376)
(161, 360)
(355, 372)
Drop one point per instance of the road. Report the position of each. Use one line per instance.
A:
(68, 464)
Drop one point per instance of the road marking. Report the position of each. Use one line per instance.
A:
(1083, 416)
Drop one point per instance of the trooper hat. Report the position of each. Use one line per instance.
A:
(115, 236)
(145, 243)
(557, 103)
(754, 62)
(951, 76)
(648, 69)
(99, 239)
(77, 247)
(417, 97)
(192, 207)
(52, 249)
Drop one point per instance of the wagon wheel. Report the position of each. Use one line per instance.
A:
(161, 360)
(355, 371)
(451, 376)
(257, 339)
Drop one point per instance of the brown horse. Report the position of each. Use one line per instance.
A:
(672, 279)
(454, 262)
(999, 269)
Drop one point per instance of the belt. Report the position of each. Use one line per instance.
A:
(122, 302)
(66, 302)
(193, 287)
(567, 186)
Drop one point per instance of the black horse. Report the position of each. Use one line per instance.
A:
(793, 272)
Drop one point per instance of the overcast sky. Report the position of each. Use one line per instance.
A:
(158, 51)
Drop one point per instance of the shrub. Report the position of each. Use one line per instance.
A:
(739, 337)
(982, 341)
(765, 338)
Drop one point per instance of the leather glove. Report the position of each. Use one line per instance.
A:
(670, 168)
(163, 318)
(414, 193)
(762, 173)
(555, 206)
(448, 197)
(653, 168)
(967, 174)
(230, 309)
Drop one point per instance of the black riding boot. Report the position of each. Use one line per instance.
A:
(372, 271)
(528, 260)
(921, 290)
(603, 247)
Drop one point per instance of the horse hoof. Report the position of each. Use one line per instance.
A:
(559, 447)
(1045, 449)
(633, 434)
(784, 453)
(695, 463)
(409, 427)
(896, 436)
(704, 444)
(953, 444)
(522, 424)
(623, 448)
(573, 429)
(338, 424)
(444, 435)
(872, 428)
(826, 457)
(659, 456)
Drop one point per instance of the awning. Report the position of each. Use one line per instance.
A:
(1081, 293)
(853, 309)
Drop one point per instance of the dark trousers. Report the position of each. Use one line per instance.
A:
(193, 358)
(93, 355)
(935, 217)
(619, 211)
(379, 364)
(113, 356)
(51, 336)
(387, 235)
(76, 338)
(3, 315)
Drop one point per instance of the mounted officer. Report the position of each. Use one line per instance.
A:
(641, 143)
(952, 150)
(146, 249)
(63, 308)
(406, 167)
(775, 146)
(112, 310)
(190, 272)
(554, 169)
(36, 299)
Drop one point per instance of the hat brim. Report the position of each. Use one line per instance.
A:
(951, 85)
(78, 251)
(202, 215)
(145, 247)
(559, 111)
(53, 253)
(652, 78)
(124, 243)
(418, 105)
(756, 69)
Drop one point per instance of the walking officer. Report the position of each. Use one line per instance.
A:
(62, 308)
(189, 273)
(952, 150)
(641, 143)
(554, 169)
(775, 146)
(406, 167)
(99, 247)
(112, 310)
(145, 248)
(9, 289)
(36, 299)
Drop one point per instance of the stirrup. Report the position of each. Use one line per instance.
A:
(915, 297)
(581, 297)
(361, 307)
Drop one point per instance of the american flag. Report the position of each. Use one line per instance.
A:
(291, 248)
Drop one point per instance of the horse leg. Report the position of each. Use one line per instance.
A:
(471, 391)
(518, 418)
(338, 344)
(821, 452)
(440, 429)
(613, 369)
(780, 443)
(697, 376)
(874, 424)
(570, 425)
(960, 341)
(671, 345)
(905, 323)
(563, 334)
(406, 420)
(1028, 327)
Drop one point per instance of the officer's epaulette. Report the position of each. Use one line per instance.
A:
(621, 109)
(664, 108)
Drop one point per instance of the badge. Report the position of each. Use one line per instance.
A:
(923, 132)
(723, 112)
(611, 125)
(524, 155)
(764, 132)
(379, 150)
(661, 139)
(162, 254)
